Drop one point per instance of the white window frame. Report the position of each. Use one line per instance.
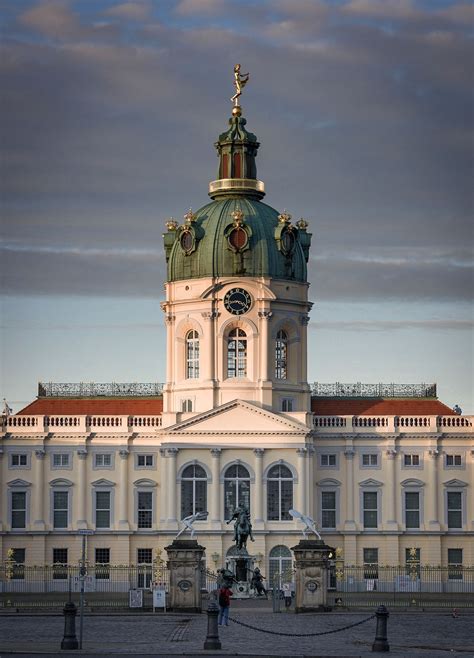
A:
(370, 454)
(144, 456)
(97, 455)
(454, 456)
(239, 373)
(287, 405)
(326, 456)
(19, 467)
(412, 466)
(378, 491)
(191, 361)
(462, 494)
(25, 492)
(281, 354)
(280, 479)
(103, 487)
(144, 485)
(61, 466)
(61, 489)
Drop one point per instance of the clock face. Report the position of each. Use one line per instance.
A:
(237, 301)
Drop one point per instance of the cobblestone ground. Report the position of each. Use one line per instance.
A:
(409, 634)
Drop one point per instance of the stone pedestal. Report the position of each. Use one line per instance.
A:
(311, 578)
(185, 563)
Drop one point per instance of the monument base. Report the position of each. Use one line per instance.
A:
(185, 565)
(311, 577)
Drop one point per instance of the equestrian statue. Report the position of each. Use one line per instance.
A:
(242, 527)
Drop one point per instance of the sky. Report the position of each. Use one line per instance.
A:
(364, 112)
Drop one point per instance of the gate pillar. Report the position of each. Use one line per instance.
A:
(311, 577)
(185, 564)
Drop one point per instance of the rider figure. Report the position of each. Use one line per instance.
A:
(236, 515)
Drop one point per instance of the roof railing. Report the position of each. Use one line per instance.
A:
(359, 390)
(93, 389)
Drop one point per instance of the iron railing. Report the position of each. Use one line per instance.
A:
(92, 389)
(359, 390)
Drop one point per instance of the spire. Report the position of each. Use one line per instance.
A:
(237, 150)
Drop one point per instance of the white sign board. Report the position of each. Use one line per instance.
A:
(159, 598)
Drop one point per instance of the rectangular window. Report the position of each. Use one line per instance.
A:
(328, 509)
(19, 460)
(371, 563)
(144, 562)
(18, 509)
(60, 509)
(287, 405)
(103, 460)
(60, 564)
(370, 459)
(186, 406)
(145, 509)
(412, 509)
(102, 563)
(145, 460)
(411, 460)
(102, 509)
(454, 509)
(455, 563)
(19, 559)
(453, 460)
(60, 460)
(370, 509)
(328, 460)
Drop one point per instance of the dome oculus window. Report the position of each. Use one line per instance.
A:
(288, 242)
(187, 242)
(238, 239)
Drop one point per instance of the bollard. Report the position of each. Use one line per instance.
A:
(380, 643)
(212, 639)
(70, 640)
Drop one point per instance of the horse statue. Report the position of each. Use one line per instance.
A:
(257, 583)
(242, 527)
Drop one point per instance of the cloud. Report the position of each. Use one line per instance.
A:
(134, 11)
(394, 9)
(206, 7)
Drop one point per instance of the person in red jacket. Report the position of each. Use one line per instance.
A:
(224, 604)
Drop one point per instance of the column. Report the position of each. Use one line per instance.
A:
(258, 465)
(301, 452)
(170, 364)
(310, 483)
(172, 454)
(431, 499)
(215, 506)
(208, 366)
(303, 360)
(163, 485)
(350, 524)
(39, 494)
(123, 491)
(81, 523)
(264, 344)
(391, 490)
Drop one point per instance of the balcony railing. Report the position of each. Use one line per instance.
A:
(359, 390)
(92, 389)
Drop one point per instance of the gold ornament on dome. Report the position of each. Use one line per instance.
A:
(238, 217)
(284, 217)
(302, 224)
(240, 80)
(171, 224)
(190, 216)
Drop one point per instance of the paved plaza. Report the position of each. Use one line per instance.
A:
(429, 634)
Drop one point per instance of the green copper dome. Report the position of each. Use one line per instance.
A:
(236, 234)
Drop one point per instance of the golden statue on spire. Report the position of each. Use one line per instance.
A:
(240, 80)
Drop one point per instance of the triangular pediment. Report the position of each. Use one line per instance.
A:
(455, 483)
(103, 483)
(370, 482)
(239, 417)
(19, 483)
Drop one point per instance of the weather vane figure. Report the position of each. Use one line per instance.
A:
(309, 524)
(240, 80)
(188, 522)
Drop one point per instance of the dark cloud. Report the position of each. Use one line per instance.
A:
(365, 128)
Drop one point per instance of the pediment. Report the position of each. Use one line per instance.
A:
(328, 482)
(103, 483)
(455, 483)
(61, 482)
(19, 483)
(412, 482)
(239, 417)
(370, 482)
(144, 482)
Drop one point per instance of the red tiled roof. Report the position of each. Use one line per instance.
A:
(95, 407)
(379, 407)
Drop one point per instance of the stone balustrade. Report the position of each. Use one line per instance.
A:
(78, 424)
(392, 424)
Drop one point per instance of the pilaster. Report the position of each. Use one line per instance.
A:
(350, 524)
(123, 523)
(215, 506)
(258, 504)
(39, 495)
(82, 489)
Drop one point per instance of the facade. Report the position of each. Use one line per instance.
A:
(381, 469)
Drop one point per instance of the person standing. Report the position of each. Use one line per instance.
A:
(224, 604)
(287, 594)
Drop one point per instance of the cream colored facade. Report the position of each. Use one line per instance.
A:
(239, 432)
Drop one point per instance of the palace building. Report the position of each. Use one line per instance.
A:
(382, 469)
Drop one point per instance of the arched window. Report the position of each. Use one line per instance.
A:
(280, 566)
(192, 355)
(279, 493)
(281, 355)
(236, 489)
(237, 353)
(193, 490)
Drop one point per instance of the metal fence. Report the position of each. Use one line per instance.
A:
(402, 586)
